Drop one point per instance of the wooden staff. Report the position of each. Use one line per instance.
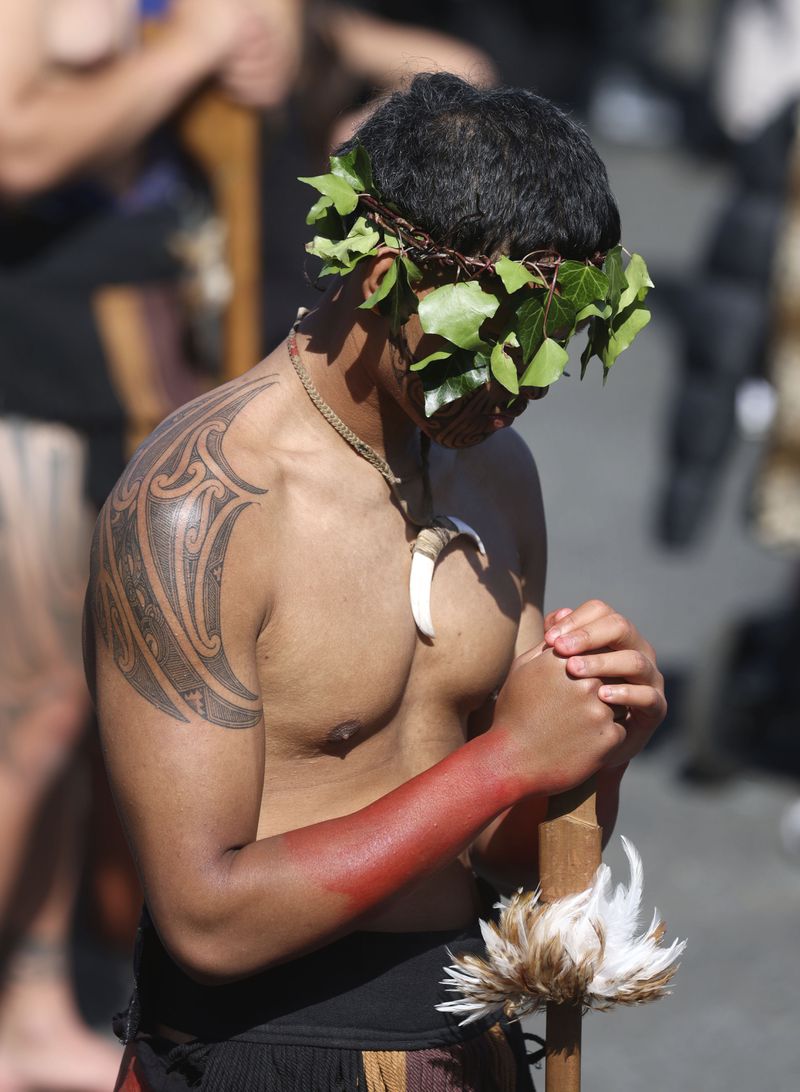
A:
(224, 137)
(570, 850)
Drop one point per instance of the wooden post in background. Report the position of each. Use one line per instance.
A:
(570, 850)
(224, 138)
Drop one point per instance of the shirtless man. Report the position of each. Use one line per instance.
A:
(310, 785)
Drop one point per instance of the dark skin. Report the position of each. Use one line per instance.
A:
(252, 558)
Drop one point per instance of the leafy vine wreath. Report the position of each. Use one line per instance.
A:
(542, 298)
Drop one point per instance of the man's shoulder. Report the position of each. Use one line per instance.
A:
(506, 470)
(170, 553)
(198, 430)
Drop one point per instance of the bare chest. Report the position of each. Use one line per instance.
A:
(341, 660)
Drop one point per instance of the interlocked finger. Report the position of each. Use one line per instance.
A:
(612, 631)
(629, 664)
(646, 701)
(581, 616)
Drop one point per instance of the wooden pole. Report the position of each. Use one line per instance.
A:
(225, 138)
(570, 850)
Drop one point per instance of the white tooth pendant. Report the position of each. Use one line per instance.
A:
(425, 552)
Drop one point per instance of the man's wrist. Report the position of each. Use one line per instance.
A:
(498, 758)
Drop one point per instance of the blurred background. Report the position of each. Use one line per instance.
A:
(151, 245)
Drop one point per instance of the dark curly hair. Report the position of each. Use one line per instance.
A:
(490, 170)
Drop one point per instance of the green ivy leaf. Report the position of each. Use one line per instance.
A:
(529, 326)
(457, 312)
(593, 310)
(343, 256)
(638, 282)
(612, 267)
(623, 331)
(319, 209)
(547, 366)
(442, 354)
(401, 302)
(595, 343)
(388, 281)
(582, 284)
(446, 380)
(503, 367)
(413, 271)
(341, 193)
(561, 317)
(355, 169)
(514, 275)
(329, 224)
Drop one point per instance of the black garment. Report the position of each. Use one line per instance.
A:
(317, 1023)
(56, 252)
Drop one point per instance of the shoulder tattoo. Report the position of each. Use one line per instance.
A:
(158, 559)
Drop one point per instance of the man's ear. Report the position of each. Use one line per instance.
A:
(375, 269)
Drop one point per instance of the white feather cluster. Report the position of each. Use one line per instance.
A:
(585, 949)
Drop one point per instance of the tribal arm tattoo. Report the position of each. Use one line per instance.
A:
(158, 559)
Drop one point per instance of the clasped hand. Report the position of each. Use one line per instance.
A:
(598, 642)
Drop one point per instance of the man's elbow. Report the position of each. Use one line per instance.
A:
(204, 950)
(204, 959)
(213, 951)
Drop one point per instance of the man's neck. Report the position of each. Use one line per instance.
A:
(346, 362)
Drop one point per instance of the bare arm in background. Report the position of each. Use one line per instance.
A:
(384, 54)
(56, 120)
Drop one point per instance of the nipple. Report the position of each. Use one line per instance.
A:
(344, 731)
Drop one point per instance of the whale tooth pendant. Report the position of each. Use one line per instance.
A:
(425, 552)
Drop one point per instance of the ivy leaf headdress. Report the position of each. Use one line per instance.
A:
(544, 296)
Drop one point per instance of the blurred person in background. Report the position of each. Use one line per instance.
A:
(353, 52)
(741, 376)
(94, 205)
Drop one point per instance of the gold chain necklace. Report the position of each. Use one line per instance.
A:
(437, 531)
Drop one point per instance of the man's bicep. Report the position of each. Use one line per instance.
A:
(188, 791)
(177, 598)
(177, 589)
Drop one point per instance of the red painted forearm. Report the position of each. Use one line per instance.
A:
(410, 833)
(293, 892)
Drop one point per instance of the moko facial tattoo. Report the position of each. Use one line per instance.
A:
(537, 301)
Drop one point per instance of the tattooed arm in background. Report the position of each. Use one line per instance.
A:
(182, 585)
